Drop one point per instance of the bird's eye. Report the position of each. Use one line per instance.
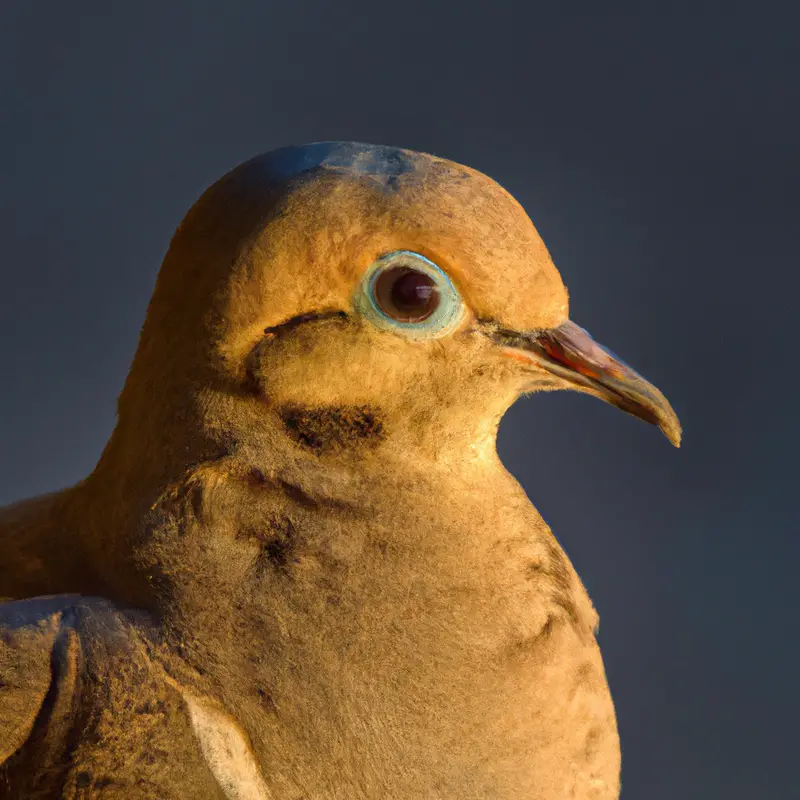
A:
(408, 293)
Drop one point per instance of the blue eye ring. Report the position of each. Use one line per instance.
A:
(442, 320)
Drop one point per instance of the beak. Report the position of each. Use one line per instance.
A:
(571, 354)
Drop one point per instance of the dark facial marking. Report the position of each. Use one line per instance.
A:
(255, 477)
(295, 322)
(83, 780)
(305, 500)
(332, 429)
(266, 700)
(556, 570)
(277, 545)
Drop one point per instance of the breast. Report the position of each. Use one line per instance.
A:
(386, 653)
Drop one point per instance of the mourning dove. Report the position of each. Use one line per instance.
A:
(299, 569)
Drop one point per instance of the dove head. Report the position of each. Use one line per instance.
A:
(358, 300)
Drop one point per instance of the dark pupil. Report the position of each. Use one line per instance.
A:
(406, 295)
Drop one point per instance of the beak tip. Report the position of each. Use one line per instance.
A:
(673, 432)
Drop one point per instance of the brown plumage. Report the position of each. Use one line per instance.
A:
(299, 569)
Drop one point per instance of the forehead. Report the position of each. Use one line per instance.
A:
(304, 223)
(376, 199)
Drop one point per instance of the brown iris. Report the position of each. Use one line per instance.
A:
(405, 294)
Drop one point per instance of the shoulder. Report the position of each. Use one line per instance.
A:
(83, 703)
(41, 658)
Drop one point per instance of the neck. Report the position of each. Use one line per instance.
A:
(326, 457)
(310, 598)
(40, 549)
(311, 590)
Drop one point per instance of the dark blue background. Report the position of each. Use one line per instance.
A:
(655, 147)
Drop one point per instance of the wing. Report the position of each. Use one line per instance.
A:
(38, 681)
(85, 710)
(25, 677)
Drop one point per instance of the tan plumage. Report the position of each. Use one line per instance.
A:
(318, 580)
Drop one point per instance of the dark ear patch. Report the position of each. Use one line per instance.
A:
(333, 428)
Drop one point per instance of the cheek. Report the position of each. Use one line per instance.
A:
(336, 369)
(470, 364)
